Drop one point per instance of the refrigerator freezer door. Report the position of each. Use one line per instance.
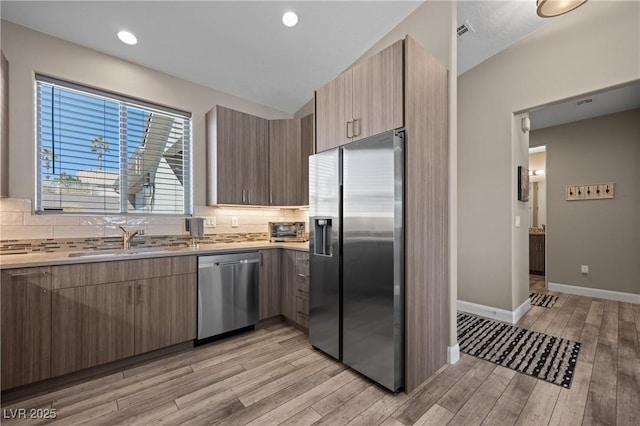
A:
(373, 290)
(324, 252)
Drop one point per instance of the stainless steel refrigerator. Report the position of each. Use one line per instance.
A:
(356, 311)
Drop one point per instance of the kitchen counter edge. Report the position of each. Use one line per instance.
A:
(34, 260)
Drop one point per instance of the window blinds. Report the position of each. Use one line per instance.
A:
(104, 153)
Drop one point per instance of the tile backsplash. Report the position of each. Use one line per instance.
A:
(18, 223)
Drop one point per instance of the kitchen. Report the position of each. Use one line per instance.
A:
(224, 215)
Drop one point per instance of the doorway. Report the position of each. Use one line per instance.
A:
(537, 218)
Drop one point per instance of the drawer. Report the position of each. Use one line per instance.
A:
(79, 275)
(302, 319)
(302, 305)
(302, 263)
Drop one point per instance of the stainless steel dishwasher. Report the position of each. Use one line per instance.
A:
(227, 293)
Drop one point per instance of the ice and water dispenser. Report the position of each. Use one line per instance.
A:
(322, 236)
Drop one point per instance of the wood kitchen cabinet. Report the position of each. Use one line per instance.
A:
(165, 311)
(4, 125)
(285, 165)
(269, 284)
(537, 254)
(363, 101)
(91, 325)
(146, 305)
(333, 112)
(238, 145)
(302, 288)
(307, 149)
(26, 326)
(288, 280)
(295, 286)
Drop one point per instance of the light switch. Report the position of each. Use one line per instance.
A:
(234, 221)
(584, 269)
(210, 222)
(517, 221)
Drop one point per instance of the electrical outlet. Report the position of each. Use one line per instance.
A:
(517, 221)
(234, 221)
(584, 269)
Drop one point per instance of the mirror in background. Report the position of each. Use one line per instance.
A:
(538, 194)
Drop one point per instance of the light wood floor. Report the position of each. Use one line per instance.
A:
(273, 376)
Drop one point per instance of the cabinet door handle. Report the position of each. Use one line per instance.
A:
(29, 274)
(260, 254)
(349, 123)
(131, 296)
(270, 197)
(139, 293)
(249, 196)
(243, 196)
(302, 275)
(356, 121)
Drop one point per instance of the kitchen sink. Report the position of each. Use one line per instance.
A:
(121, 252)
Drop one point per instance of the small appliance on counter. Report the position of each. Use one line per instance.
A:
(287, 231)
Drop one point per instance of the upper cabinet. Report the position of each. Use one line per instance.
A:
(238, 148)
(285, 168)
(306, 139)
(259, 162)
(4, 124)
(363, 101)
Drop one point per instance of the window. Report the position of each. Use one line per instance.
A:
(104, 153)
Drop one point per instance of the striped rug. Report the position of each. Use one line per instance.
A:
(539, 355)
(544, 300)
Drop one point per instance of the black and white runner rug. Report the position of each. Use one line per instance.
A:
(544, 300)
(539, 355)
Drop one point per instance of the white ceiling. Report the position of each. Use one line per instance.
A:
(608, 102)
(242, 48)
(497, 25)
(238, 47)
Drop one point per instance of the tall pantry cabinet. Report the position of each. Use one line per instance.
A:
(403, 86)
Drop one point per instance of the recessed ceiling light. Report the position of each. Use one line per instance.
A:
(290, 19)
(127, 37)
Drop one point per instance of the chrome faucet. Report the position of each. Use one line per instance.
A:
(127, 236)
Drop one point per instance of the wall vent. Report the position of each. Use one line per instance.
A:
(584, 101)
(465, 28)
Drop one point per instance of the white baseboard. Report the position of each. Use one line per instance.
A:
(511, 317)
(595, 292)
(453, 354)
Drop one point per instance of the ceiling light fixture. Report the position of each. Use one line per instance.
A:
(127, 37)
(551, 8)
(289, 19)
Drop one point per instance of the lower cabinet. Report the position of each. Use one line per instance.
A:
(26, 326)
(97, 324)
(288, 280)
(91, 325)
(537, 254)
(269, 284)
(165, 312)
(302, 288)
(295, 286)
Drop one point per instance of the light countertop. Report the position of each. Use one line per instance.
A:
(62, 257)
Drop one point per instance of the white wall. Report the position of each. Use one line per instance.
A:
(594, 47)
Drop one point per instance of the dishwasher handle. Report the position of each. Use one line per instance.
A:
(237, 262)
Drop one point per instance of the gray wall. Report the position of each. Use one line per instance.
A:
(594, 47)
(604, 234)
